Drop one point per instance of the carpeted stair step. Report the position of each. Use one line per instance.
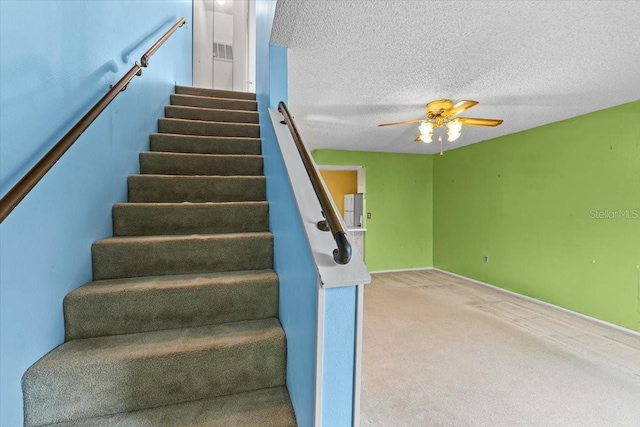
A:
(270, 407)
(209, 114)
(209, 102)
(215, 93)
(124, 306)
(179, 326)
(148, 219)
(120, 257)
(199, 127)
(204, 144)
(199, 164)
(177, 189)
(95, 377)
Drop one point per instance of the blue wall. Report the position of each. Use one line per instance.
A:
(339, 356)
(292, 255)
(57, 58)
(295, 266)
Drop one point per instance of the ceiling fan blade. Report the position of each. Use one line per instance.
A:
(408, 122)
(479, 122)
(459, 108)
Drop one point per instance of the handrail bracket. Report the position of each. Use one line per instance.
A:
(144, 61)
(35, 174)
(323, 226)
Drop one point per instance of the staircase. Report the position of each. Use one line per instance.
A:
(180, 325)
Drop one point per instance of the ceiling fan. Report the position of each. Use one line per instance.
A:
(442, 112)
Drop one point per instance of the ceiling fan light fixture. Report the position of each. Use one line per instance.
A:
(426, 131)
(426, 127)
(454, 129)
(441, 113)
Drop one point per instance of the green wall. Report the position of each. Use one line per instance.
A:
(398, 193)
(556, 208)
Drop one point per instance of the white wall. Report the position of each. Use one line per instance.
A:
(223, 33)
(202, 43)
(223, 27)
(240, 35)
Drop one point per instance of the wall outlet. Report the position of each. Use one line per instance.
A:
(485, 258)
(368, 215)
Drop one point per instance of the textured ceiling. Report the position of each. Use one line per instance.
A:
(355, 64)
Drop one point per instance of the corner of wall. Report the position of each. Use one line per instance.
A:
(399, 196)
(292, 256)
(278, 72)
(556, 210)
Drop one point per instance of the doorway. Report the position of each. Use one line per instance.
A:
(343, 182)
(223, 46)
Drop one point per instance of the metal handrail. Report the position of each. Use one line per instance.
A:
(31, 178)
(341, 255)
(144, 61)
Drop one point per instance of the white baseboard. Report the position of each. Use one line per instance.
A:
(537, 301)
(400, 270)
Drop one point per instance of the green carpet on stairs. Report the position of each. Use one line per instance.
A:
(264, 408)
(180, 325)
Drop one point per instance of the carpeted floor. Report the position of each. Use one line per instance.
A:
(442, 351)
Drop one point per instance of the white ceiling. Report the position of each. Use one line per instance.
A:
(354, 64)
(222, 6)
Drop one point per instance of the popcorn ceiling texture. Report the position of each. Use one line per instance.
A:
(356, 64)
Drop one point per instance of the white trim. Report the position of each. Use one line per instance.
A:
(400, 270)
(338, 167)
(250, 80)
(317, 392)
(544, 303)
(357, 374)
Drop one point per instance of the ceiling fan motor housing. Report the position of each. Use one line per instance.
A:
(435, 108)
